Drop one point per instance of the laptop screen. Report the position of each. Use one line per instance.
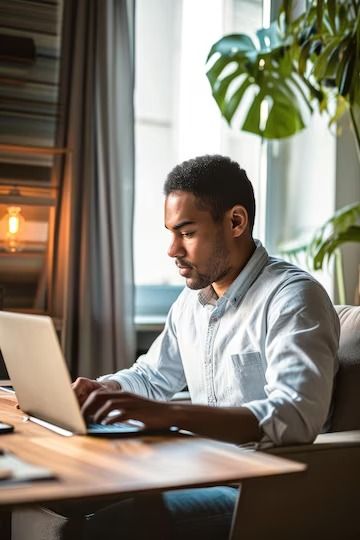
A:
(4, 376)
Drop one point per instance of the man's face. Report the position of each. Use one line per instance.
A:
(198, 243)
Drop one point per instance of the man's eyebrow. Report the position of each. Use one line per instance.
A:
(181, 224)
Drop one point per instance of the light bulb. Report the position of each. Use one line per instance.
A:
(15, 225)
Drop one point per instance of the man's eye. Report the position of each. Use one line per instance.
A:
(187, 234)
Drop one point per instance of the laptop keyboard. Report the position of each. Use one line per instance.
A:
(113, 428)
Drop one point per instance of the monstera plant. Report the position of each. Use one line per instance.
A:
(272, 83)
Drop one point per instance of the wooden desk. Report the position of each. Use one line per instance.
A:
(90, 468)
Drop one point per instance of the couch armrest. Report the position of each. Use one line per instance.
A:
(321, 502)
(325, 441)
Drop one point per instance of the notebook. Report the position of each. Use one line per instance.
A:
(41, 380)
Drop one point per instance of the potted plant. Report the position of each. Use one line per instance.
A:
(275, 83)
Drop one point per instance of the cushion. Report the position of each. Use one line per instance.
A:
(349, 347)
(346, 413)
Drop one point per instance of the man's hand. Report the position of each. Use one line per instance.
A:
(230, 424)
(83, 387)
(154, 414)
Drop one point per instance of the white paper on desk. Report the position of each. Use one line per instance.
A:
(22, 471)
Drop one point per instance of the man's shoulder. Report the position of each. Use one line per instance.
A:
(284, 272)
(284, 280)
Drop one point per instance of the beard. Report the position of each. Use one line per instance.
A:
(200, 281)
(218, 266)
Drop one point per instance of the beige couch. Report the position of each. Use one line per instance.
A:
(323, 502)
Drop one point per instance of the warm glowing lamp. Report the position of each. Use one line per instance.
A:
(14, 227)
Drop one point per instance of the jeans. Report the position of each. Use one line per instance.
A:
(187, 514)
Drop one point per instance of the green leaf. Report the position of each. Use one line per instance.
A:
(342, 64)
(345, 216)
(268, 68)
(341, 107)
(216, 70)
(333, 62)
(285, 63)
(232, 45)
(304, 56)
(352, 234)
(340, 228)
(347, 75)
(231, 105)
(252, 120)
(282, 120)
(269, 37)
(316, 46)
(314, 92)
(355, 121)
(342, 219)
(275, 65)
(298, 84)
(221, 86)
(328, 57)
(284, 116)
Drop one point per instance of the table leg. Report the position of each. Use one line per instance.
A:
(5, 525)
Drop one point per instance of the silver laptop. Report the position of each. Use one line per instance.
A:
(42, 384)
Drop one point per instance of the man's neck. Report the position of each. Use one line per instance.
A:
(244, 254)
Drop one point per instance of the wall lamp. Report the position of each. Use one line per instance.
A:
(13, 223)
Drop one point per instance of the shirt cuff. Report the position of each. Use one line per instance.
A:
(120, 379)
(273, 428)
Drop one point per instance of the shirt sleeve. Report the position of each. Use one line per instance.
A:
(159, 373)
(301, 353)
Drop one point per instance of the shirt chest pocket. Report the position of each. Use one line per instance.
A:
(247, 376)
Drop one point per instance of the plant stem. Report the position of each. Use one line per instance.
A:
(355, 7)
(340, 277)
(356, 130)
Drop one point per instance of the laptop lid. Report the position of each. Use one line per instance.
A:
(37, 370)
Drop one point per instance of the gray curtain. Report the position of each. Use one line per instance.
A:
(92, 280)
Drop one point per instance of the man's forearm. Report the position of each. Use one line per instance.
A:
(230, 424)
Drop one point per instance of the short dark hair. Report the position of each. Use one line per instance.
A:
(218, 182)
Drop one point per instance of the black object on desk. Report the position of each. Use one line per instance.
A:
(5, 428)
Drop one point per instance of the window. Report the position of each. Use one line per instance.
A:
(176, 119)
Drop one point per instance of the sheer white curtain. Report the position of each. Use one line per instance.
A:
(92, 282)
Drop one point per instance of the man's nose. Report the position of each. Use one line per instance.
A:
(176, 248)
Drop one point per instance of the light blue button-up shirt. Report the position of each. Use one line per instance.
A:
(269, 344)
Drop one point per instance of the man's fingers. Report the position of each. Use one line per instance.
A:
(100, 403)
(95, 400)
(83, 387)
(107, 408)
(79, 382)
(121, 417)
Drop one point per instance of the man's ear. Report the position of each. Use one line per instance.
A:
(239, 220)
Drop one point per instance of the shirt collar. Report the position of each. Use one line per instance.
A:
(239, 287)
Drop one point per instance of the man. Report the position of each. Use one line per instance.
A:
(253, 337)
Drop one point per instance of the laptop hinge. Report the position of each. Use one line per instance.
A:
(52, 427)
